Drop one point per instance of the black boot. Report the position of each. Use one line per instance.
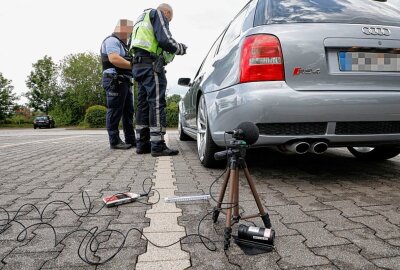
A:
(121, 146)
(165, 151)
(143, 148)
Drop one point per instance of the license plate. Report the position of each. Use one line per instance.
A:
(369, 62)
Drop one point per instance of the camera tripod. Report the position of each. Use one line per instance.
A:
(236, 162)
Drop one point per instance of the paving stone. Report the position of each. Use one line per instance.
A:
(274, 199)
(324, 195)
(125, 259)
(294, 253)
(8, 200)
(394, 242)
(388, 263)
(349, 209)
(43, 241)
(203, 259)
(27, 261)
(207, 229)
(164, 238)
(87, 267)
(317, 235)
(289, 191)
(261, 261)
(364, 200)
(389, 211)
(320, 267)
(65, 218)
(335, 221)
(292, 214)
(345, 257)
(193, 210)
(163, 222)
(371, 246)
(130, 215)
(280, 228)
(164, 254)
(8, 246)
(171, 265)
(310, 203)
(383, 228)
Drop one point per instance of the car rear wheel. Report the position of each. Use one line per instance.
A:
(206, 148)
(374, 153)
(182, 135)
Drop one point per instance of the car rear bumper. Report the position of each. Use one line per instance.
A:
(42, 124)
(340, 118)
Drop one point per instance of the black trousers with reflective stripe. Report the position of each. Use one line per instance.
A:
(151, 111)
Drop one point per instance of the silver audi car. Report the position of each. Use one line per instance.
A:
(311, 74)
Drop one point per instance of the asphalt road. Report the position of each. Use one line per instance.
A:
(329, 212)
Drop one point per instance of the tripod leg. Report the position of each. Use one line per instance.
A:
(227, 237)
(216, 210)
(264, 216)
(236, 196)
(228, 225)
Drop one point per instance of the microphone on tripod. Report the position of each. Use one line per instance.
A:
(246, 132)
(244, 135)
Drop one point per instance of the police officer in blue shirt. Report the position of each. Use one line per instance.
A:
(117, 82)
(153, 48)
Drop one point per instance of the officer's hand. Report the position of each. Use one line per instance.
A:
(183, 50)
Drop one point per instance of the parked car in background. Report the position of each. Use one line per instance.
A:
(43, 121)
(310, 74)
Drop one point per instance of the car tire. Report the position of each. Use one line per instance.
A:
(206, 147)
(34, 127)
(374, 153)
(182, 135)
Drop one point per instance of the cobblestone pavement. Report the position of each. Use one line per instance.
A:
(329, 212)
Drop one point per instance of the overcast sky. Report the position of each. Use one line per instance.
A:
(31, 29)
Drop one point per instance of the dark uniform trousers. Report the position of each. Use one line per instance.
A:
(119, 105)
(151, 118)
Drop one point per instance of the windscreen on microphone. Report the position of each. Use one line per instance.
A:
(250, 132)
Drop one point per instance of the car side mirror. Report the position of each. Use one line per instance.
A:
(184, 81)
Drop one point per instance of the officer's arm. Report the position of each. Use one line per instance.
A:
(119, 61)
(163, 35)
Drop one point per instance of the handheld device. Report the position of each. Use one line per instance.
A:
(120, 198)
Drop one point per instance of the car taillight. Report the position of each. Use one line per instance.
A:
(262, 59)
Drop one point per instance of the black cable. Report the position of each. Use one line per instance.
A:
(92, 235)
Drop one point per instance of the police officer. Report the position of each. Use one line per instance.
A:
(117, 76)
(153, 48)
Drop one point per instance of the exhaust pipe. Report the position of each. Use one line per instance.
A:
(298, 147)
(318, 148)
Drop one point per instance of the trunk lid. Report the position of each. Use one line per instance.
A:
(335, 45)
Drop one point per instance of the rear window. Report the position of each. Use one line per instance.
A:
(333, 11)
(41, 118)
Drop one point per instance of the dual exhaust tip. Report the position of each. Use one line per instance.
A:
(304, 147)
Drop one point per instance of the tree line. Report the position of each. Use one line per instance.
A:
(65, 90)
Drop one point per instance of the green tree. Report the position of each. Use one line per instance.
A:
(173, 110)
(173, 99)
(43, 92)
(7, 98)
(81, 76)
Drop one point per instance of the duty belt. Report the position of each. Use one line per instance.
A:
(119, 77)
(143, 60)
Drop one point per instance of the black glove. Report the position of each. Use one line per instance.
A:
(183, 49)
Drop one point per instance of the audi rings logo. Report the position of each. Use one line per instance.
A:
(376, 31)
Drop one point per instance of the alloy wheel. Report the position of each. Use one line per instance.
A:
(202, 128)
